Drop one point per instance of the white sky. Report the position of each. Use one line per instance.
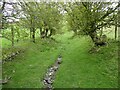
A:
(65, 0)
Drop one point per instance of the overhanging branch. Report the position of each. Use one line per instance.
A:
(109, 12)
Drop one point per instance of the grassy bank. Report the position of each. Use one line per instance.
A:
(78, 69)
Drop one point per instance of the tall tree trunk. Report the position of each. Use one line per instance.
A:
(18, 34)
(30, 33)
(12, 33)
(2, 16)
(115, 30)
(40, 32)
(46, 32)
(33, 35)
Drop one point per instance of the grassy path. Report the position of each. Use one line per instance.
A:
(79, 68)
(31, 66)
(83, 70)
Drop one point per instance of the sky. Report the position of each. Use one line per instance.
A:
(64, 0)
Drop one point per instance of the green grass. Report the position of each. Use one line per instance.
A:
(5, 43)
(78, 69)
(31, 66)
(83, 70)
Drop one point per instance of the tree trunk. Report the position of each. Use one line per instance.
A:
(30, 32)
(93, 36)
(12, 32)
(97, 40)
(33, 35)
(75, 32)
(2, 16)
(18, 34)
(115, 30)
(46, 32)
(40, 32)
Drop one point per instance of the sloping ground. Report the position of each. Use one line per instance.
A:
(83, 70)
(78, 69)
(27, 70)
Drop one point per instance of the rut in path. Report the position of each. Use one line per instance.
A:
(50, 74)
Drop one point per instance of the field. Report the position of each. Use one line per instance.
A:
(67, 45)
(79, 68)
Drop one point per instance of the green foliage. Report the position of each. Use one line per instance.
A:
(41, 15)
(89, 17)
(19, 33)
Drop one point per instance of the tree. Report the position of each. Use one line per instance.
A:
(49, 18)
(43, 15)
(12, 34)
(29, 19)
(1, 15)
(9, 17)
(89, 17)
(116, 24)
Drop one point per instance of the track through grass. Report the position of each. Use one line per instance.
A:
(79, 68)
